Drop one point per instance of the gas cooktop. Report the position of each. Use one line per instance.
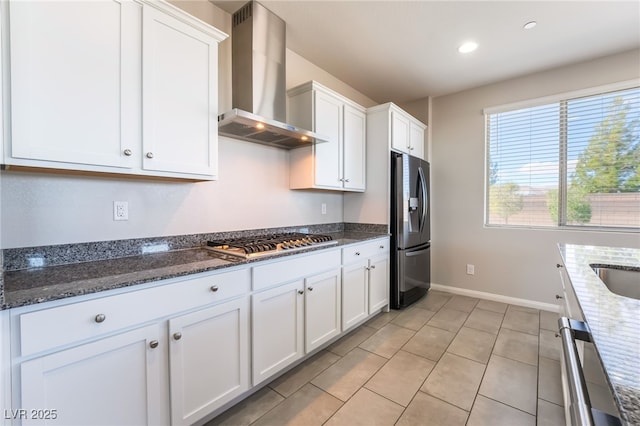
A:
(261, 245)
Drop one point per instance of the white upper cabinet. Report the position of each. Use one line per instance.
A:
(339, 163)
(73, 95)
(179, 96)
(328, 155)
(406, 132)
(111, 86)
(355, 131)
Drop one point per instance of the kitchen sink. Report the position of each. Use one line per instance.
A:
(621, 281)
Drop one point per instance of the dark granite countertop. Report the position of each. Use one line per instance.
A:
(36, 285)
(614, 320)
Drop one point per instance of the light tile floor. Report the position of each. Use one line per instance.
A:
(446, 360)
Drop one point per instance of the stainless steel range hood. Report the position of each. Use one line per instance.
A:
(258, 82)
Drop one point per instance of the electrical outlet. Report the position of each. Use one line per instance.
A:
(120, 210)
(471, 269)
(324, 208)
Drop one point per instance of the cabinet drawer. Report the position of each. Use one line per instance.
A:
(62, 325)
(365, 250)
(294, 267)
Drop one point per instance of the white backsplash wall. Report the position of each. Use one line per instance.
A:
(252, 192)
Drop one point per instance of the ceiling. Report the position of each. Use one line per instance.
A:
(406, 50)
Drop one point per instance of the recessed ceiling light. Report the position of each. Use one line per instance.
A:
(467, 47)
(529, 25)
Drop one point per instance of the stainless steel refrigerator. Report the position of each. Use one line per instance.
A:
(410, 230)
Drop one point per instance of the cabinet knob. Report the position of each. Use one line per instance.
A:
(149, 154)
(373, 267)
(300, 291)
(128, 152)
(310, 288)
(346, 180)
(214, 288)
(558, 265)
(357, 253)
(177, 335)
(153, 344)
(558, 297)
(381, 246)
(100, 318)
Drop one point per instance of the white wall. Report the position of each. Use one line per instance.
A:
(510, 262)
(252, 190)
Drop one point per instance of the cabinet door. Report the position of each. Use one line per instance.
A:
(355, 128)
(276, 329)
(378, 282)
(400, 132)
(113, 381)
(74, 87)
(417, 140)
(322, 308)
(355, 306)
(328, 155)
(208, 359)
(180, 129)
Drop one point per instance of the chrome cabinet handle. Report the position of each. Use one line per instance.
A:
(153, 344)
(177, 335)
(300, 291)
(214, 288)
(149, 154)
(100, 318)
(128, 152)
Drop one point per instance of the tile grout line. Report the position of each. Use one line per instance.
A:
(486, 366)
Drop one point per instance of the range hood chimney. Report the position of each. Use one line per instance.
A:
(258, 53)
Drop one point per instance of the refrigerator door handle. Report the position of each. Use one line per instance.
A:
(423, 188)
(416, 253)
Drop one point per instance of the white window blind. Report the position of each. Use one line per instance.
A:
(571, 162)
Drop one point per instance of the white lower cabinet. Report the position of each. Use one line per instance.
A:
(168, 354)
(378, 282)
(292, 320)
(208, 359)
(365, 281)
(296, 317)
(276, 329)
(355, 293)
(322, 308)
(205, 341)
(112, 381)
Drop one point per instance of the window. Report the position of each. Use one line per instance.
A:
(572, 161)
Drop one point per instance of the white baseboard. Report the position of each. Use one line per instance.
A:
(496, 297)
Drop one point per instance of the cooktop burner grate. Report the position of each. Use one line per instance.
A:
(269, 244)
